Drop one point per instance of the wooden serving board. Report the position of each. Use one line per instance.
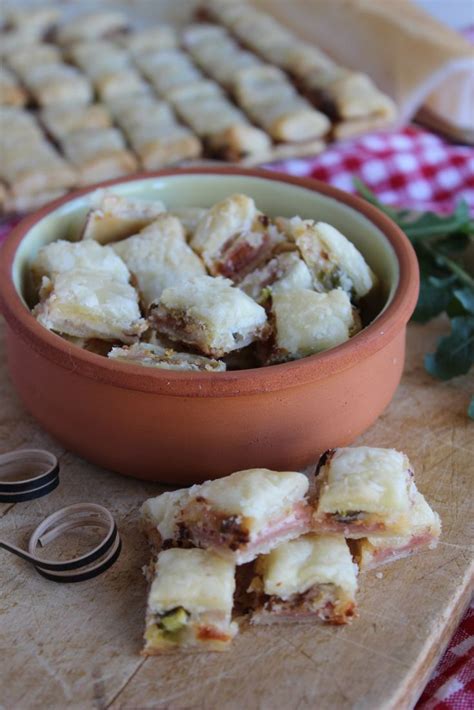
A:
(77, 646)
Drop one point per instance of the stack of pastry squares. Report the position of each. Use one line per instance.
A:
(108, 99)
(266, 546)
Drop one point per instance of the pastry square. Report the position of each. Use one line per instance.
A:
(333, 259)
(305, 322)
(36, 21)
(98, 154)
(363, 491)
(58, 84)
(61, 256)
(190, 603)
(62, 120)
(307, 579)
(86, 304)
(159, 258)
(124, 82)
(24, 59)
(240, 516)
(32, 166)
(284, 272)
(149, 355)
(151, 39)
(209, 314)
(163, 144)
(424, 531)
(233, 237)
(112, 217)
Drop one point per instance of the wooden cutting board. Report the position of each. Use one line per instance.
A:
(77, 646)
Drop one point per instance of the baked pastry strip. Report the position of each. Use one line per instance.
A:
(303, 580)
(60, 121)
(57, 84)
(151, 39)
(364, 491)
(92, 25)
(150, 355)
(210, 315)
(24, 59)
(98, 154)
(424, 531)
(189, 603)
(240, 516)
(11, 92)
(36, 21)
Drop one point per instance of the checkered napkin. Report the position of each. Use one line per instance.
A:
(417, 169)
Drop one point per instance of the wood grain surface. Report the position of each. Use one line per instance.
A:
(77, 646)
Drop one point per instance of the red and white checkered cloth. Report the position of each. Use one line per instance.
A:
(417, 169)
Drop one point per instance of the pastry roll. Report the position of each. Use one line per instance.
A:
(62, 256)
(112, 217)
(209, 314)
(61, 120)
(168, 70)
(423, 532)
(160, 144)
(284, 272)
(93, 25)
(159, 257)
(87, 304)
(190, 603)
(233, 238)
(11, 93)
(58, 84)
(306, 322)
(307, 579)
(363, 491)
(32, 167)
(98, 57)
(151, 39)
(272, 101)
(333, 259)
(25, 59)
(98, 155)
(149, 355)
(124, 82)
(241, 516)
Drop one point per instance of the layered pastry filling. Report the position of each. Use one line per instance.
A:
(312, 577)
(424, 531)
(150, 355)
(190, 602)
(364, 490)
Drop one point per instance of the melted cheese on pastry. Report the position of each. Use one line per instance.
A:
(256, 493)
(197, 580)
(159, 257)
(423, 519)
(61, 256)
(296, 566)
(307, 322)
(162, 511)
(366, 479)
(86, 304)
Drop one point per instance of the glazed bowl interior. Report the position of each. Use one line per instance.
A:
(202, 190)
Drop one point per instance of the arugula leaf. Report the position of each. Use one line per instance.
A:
(446, 280)
(455, 352)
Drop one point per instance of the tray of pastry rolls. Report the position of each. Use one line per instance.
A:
(90, 93)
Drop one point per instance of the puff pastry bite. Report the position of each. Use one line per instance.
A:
(92, 25)
(363, 491)
(210, 315)
(190, 603)
(424, 531)
(150, 355)
(24, 59)
(333, 259)
(61, 120)
(159, 257)
(284, 272)
(272, 101)
(167, 70)
(233, 238)
(98, 57)
(306, 322)
(240, 516)
(112, 217)
(98, 155)
(307, 579)
(25, 203)
(31, 166)
(151, 39)
(11, 93)
(189, 218)
(62, 256)
(124, 82)
(58, 83)
(36, 21)
(87, 304)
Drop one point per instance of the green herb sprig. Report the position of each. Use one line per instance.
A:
(446, 281)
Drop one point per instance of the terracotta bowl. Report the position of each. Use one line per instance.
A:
(182, 428)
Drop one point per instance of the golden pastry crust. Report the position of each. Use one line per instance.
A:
(59, 121)
(112, 217)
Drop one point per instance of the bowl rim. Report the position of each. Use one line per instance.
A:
(229, 383)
